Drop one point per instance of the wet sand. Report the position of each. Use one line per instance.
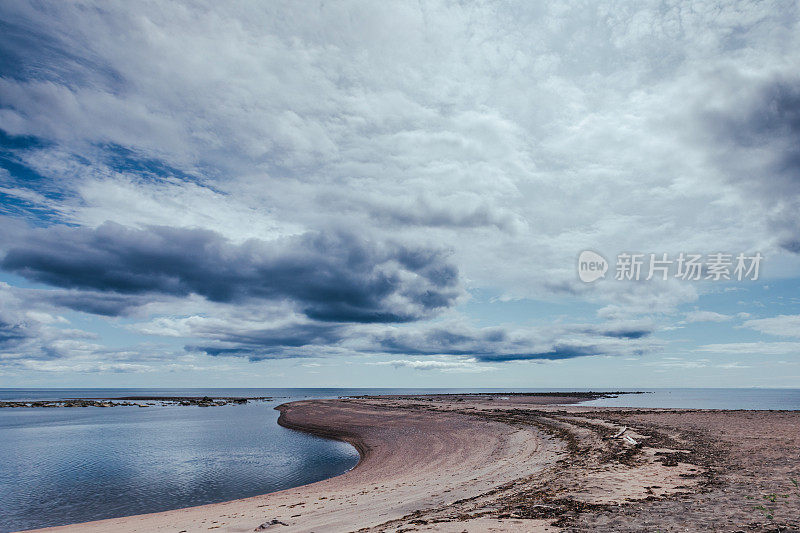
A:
(521, 463)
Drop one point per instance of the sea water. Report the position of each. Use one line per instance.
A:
(67, 465)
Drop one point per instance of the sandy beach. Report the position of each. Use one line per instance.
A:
(522, 463)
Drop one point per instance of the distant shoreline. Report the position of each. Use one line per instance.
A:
(127, 401)
(214, 401)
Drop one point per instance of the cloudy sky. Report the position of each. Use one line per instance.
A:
(396, 194)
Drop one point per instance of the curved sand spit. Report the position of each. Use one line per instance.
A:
(521, 463)
(409, 462)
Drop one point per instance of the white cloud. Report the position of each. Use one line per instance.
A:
(514, 136)
(678, 362)
(782, 325)
(734, 365)
(753, 348)
(443, 365)
(706, 316)
(401, 117)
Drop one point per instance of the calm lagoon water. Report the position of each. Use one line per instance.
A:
(62, 465)
(66, 465)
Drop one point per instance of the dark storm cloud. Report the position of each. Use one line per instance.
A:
(11, 334)
(757, 135)
(269, 343)
(330, 277)
(561, 351)
(434, 341)
(484, 347)
(772, 118)
(96, 303)
(18, 329)
(498, 344)
(628, 334)
(620, 332)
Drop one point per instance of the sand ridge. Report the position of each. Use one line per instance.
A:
(411, 460)
(522, 463)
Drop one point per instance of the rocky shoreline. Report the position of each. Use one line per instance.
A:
(548, 397)
(136, 401)
(217, 401)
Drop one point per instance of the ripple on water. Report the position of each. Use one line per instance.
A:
(60, 466)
